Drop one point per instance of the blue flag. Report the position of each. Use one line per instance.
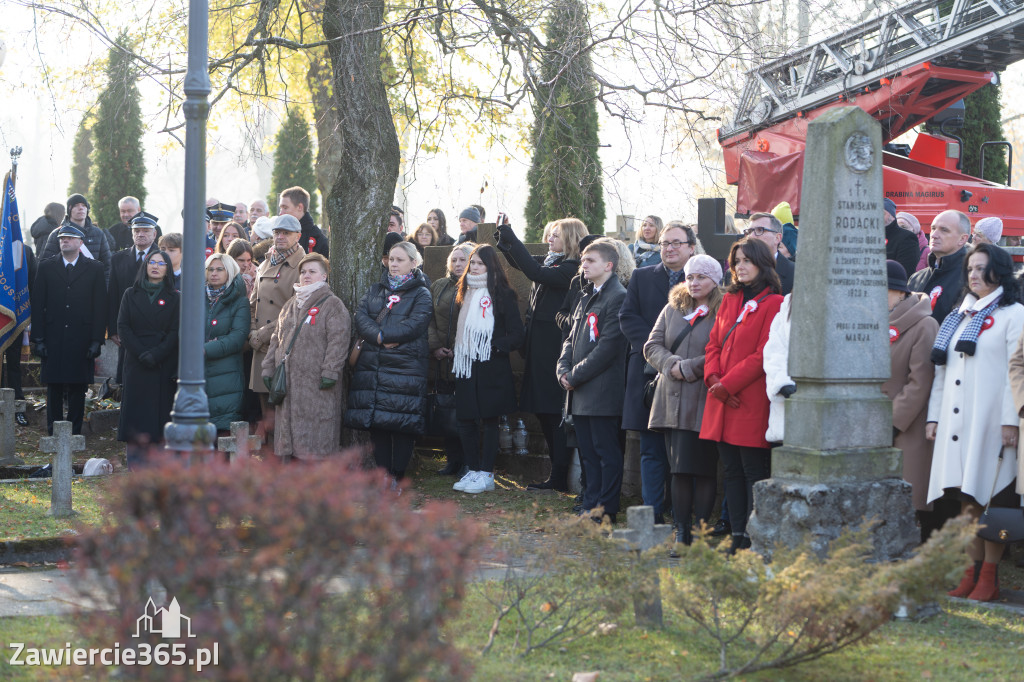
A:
(15, 307)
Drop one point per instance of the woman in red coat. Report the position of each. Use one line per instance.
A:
(736, 412)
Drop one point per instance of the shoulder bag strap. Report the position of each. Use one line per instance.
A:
(298, 327)
(682, 335)
(738, 319)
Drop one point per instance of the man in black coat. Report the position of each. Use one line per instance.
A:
(900, 245)
(943, 279)
(768, 229)
(124, 268)
(68, 324)
(121, 232)
(45, 224)
(592, 370)
(94, 239)
(646, 295)
(294, 201)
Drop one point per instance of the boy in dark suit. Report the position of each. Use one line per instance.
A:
(592, 369)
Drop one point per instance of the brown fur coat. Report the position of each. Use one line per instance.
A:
(308, 422)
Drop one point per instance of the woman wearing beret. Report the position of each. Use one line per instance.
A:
(736, 412)
(307, 422)
(971, 413)
(676, 349)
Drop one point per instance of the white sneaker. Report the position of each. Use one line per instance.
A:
(461, 484)
(483, 482)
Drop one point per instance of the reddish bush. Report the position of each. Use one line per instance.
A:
(296, 572)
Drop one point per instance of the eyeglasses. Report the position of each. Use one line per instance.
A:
(758, 231)
(157, 262)
(212, 269)
(673, 244)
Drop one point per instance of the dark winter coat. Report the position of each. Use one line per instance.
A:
(646, 296)
(313, 238)
(942, 281)
(148, 392)
(389, 385)
(227, 327)
(490, 390)
(442, 292)
(901, 246)
(124, 269)
(307, 424)
(122, 236)
(785, 268)
(541, 392)
(68, 314)
(596, 369)
(445, 239)
(95, 240)
(739, 363)
(40, 230)
(564, 315)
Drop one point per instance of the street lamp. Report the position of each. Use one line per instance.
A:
(190, 429)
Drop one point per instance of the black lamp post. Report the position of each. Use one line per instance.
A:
(190, 429)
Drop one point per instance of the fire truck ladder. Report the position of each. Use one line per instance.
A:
(978, 35)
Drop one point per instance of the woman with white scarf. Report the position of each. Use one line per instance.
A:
(488, 329)
(308, 423)
(646, 250)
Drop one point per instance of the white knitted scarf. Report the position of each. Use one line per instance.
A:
(475, 327)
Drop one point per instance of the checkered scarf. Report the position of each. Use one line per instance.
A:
(968, 341)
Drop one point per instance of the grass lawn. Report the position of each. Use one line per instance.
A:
(24, 507)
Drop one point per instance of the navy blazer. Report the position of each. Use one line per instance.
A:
(646, 295)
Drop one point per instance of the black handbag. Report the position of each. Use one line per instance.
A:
(567, 424)
(441, 419)
(279, 381)
(1001, 524)
(651, 387)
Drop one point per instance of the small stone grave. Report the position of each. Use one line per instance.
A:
(61, 443)
(640, 535)
(239, 444)
(8, 408)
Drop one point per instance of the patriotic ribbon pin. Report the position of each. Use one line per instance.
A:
(592, 323)
(161, 302)
(894, 334)
(393, 299)
(213, 323)
(485, 303)
(934, 295)
(313, 312)
(749, 307)
(700, 312)
(989, 321)
(312, 243)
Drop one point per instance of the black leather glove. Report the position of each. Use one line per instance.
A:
(94, 350)
(40, 350)
(787, 390)
(147, 360)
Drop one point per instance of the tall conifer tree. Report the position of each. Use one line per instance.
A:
(565, 176)
(118, 163)
(80, 157)
(982, 123)
(293, 160)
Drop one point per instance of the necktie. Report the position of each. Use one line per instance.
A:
(70, 268)
(138, 258)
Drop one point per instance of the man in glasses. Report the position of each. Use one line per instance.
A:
(646, 295)
(768, 229)
(124, 267)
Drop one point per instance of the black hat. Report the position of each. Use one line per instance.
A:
(588, 240)
(77, 199)
(221, 213)
(67, 230)
(897, 276)
(143, 219)
(390, 239)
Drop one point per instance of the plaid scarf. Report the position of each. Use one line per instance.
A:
(395, 281)
(675, 276)
(552, 257)
(213, 295)
(276, 258)
(968, 341)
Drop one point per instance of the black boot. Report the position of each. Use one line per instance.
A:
(452, 468)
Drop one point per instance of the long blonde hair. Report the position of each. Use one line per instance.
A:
(571, 230)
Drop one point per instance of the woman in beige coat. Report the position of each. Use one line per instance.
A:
(676, 349)
(308, 422)
(912, 331)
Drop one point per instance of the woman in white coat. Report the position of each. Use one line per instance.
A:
(776, 371)
(971, 413)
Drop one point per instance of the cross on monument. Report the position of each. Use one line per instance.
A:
(239, 444)
(8, 408)
(61, 443)
(640, 535)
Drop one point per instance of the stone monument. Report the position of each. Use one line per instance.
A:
(61, 444)
(239, 444)
(837, 468)
(8, 408)
(640, 535)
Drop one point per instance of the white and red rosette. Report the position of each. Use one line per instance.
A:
(934, 294)
(592, 324)
(894, 334)
(393, 299)
(485, 303)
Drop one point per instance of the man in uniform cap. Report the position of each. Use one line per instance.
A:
(68, 324)
(219, 215)
(94, 241)
(124, 268)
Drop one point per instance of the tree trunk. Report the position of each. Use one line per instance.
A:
(363, 187)
(328, 131)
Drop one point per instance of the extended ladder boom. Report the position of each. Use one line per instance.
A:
(980, 35)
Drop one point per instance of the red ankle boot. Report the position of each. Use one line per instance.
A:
(987, 588)
(968, 582)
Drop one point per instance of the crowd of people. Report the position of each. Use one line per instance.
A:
(655, 337)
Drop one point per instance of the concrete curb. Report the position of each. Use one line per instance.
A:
(36, 550)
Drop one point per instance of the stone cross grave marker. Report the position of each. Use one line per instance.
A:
(640, 535)
(61, 443)
(8, 408)
(239, 444)
(837, 466)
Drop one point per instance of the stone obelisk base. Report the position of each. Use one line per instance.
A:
(788, 513)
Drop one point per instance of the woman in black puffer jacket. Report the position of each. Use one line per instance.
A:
(389, 382)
